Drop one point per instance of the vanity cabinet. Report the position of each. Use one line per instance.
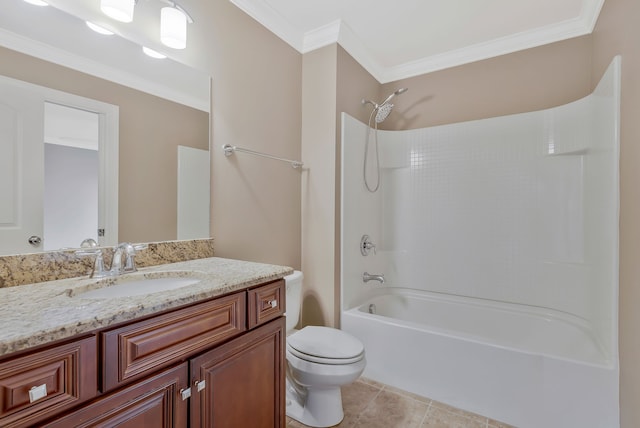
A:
(217, 363)
(46, 382)
(152, 402)
(240, 382)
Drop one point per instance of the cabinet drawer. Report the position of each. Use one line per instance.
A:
(139, 348)
(266, 302)
(61, 377)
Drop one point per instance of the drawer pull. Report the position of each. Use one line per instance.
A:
(37, 392)
(200, 385)
(269, 304)
(185, 393)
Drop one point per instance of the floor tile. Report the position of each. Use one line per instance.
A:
(389, 409)
(370, 404)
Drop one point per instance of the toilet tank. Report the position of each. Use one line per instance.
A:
(293, 299)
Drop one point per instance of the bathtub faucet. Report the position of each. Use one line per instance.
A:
(366, 277)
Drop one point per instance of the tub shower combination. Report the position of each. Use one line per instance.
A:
(498, 243)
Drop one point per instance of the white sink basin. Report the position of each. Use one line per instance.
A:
(134, 287)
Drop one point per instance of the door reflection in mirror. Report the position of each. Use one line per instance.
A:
(71, 168)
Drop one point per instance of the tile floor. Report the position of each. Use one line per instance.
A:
(369, 404)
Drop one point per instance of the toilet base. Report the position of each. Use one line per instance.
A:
(322, 406)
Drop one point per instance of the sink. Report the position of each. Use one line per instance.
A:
(124, 286)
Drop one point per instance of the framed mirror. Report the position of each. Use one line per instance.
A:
(161, 107)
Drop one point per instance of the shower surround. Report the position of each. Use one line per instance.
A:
(498, 239)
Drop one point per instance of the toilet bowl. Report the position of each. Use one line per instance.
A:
(319, 361)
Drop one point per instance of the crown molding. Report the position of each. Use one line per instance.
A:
(481, 51)
(339, 32)
(321, 37)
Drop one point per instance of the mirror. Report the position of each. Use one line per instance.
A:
(157, 118)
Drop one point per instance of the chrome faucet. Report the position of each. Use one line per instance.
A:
(128, 251)
(124, 249)
(366, 277)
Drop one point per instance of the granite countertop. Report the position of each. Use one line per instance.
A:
(36, 314)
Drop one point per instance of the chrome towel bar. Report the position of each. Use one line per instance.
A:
(229, 150)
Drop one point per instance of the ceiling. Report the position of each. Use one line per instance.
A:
(391, 39)
(403, 38)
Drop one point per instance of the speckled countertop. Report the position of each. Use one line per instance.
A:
(36, 314)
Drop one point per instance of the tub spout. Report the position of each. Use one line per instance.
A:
(366, 277)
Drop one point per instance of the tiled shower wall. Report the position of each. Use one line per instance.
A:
(520, 208)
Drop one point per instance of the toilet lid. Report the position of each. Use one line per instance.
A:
(325, 342)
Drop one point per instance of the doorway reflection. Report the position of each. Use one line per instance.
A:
(71, 176)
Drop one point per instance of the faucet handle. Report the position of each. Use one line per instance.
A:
(98, 266)
(366, 245)
(130, 251)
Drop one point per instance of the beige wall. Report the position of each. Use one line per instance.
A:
(256, 105)
(151, 128)
(524, 81)
(617, 32)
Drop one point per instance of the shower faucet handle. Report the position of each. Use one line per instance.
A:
(366, 245)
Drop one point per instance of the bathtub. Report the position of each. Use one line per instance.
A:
(526, 366)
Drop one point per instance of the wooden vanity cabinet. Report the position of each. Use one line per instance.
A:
(43, 383)
(199, 366)
(152, 402)
(241, 381)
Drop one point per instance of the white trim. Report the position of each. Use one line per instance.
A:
(338, 32)
(505, 45)
(321, 37)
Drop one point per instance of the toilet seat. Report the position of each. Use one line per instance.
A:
(325, 345)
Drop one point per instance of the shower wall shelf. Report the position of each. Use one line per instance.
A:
(229, 150)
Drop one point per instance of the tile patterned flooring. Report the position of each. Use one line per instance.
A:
(369, 404)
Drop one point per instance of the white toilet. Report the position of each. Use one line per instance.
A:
(319, 361)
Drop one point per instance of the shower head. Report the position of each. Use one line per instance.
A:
(382, 110)
(390, 97)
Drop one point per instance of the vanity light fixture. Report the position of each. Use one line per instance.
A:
(99, 29)
(173, 25)
(120, 10)
(37, 2)
(152, 53)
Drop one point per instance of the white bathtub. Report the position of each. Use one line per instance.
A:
(526, 366)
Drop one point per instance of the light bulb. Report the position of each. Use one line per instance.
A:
(120, 10)
(173, 28)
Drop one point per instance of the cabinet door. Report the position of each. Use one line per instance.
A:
(151, 403)
(243, 381)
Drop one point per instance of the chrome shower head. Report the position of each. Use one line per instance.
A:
(390, 97)
(383, 111)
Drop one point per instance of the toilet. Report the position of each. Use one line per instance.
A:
(319, 361)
